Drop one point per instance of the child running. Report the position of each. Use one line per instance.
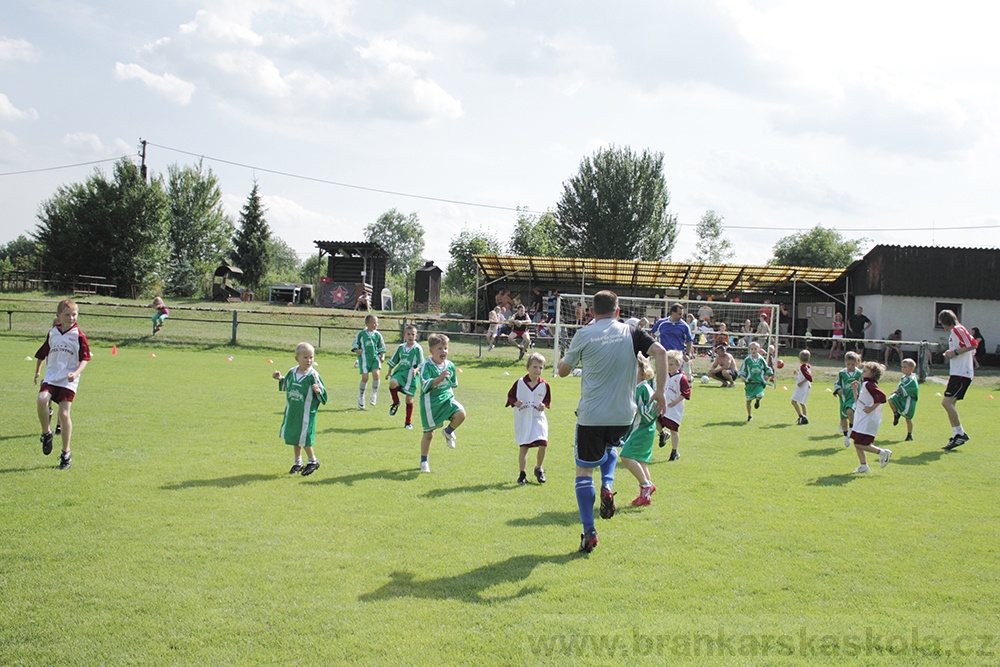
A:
(803, 383)
(161, 314)
(304, 392)
(65, 353)
(843, 388)
(903, 400)
(755, 373)
(437, 400)
(370, 348)
(868, 415)
(530, 397)
(404, 367)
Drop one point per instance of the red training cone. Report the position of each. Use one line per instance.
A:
(114, 349)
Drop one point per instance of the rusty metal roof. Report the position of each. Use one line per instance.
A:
(650, 275)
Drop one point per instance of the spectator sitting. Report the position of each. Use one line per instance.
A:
(891, 348)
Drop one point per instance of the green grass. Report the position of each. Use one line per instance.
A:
(177, 538)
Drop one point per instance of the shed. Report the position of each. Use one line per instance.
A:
(427, 289)
(221, 291)
(355, 271)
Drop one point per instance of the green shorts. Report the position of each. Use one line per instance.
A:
(368, 363)
(639, 446)
(440, 412)
(754, 390)
(845, 405)
(904, 405)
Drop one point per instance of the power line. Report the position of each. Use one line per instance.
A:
(63, 166)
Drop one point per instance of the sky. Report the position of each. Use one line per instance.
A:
(877, 119)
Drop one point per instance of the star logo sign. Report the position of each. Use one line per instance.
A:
(339, 295)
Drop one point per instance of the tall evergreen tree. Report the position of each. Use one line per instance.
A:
(250, 242)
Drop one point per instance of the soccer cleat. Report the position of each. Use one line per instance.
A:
(522, 478)
(608, 507)
(65, 460)
(895, 419)
(663, 438)
(47, 443)
(908, 438)
(540, 475)
(409, 427)
(392, 409)
(361, 404)
(955, 441)
(749, 418)
(863, 468)
(588, 541)
(521, 355)
(804, 420)
(756, 404)
(450, 439)
(296, 469)
(883, 457)
(425, 466)
(58, 428)
(847, 440)
(310, 468)
(674, 455)
(641, 499)
(374, 399)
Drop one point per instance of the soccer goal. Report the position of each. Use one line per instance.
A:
(736, 322)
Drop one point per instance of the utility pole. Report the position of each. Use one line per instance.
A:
(142, 169)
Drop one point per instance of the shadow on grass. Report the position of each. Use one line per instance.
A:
(827, 451)
(738, 422)
(470, 586)
(220, 482)
(922, 459)
(834, 480)
(357, 429)
(474, 488)
(547, 519)
(4, 471)
(382, 475)
(17, 437)
(826, 437)
(777, 426)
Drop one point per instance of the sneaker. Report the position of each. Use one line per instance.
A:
(310, 468)
(296, 469)
(641, 499)
(65, 460)
(450, 439)
(392, 409)
(895, 419)
(908, 438)
(47, 443)
(409, 427)
(588, 541)
(361, 404)
(847, 440)
(883, 457)
(955, 441)
(58, 428)
(374, 399)
(522, 478)
(862, 469)
(674, 455)
(804, 420)
(756, 404)
(608, 506)
(425, 466)
(749, 418)
(652, 488)
(540, 475)
(521, 355)
(663, 438)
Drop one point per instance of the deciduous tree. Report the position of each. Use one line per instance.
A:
(402, 236)
(819, 247)
(712, 246)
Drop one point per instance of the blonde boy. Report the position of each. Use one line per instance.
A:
(404, 367)
(755, 373)
(843, 388)
(803, 384)
(530, 397)
(868, 415)
(370, 348)
(437, 398)
(304, 392)
(903, 400)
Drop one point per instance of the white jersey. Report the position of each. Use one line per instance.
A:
(961, 364)
(801, 393)
(676, 385)
(868, 395)
(63, 353)
(530, 422)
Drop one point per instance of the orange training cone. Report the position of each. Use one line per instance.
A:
(114, 349)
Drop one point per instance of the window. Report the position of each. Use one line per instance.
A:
(945, 305)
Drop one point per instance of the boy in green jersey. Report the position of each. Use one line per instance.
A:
(755, 373)
(843, 388)
(404, 369)
(304, 392)
(903, 400)
(437, 400)
(370, 348)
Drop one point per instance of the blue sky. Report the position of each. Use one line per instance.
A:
(877, 119)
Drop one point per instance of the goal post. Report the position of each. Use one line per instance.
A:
(741, 320)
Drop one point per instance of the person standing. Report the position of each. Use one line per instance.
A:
(674, 333)
(960, 353)
(607, 351)
(857, 325)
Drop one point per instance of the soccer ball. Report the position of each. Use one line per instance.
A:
(705, 379)
(780, 364)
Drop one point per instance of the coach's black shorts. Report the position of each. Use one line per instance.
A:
(592, 442)
(957, 384)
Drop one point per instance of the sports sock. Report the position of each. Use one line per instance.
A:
(958, 430)
(394, 391)
(361, 388)
(423, 459)
(375, 384)
(585, 496)
(298, 460)
(608, 468)
(409, 412)
(314, 460)
(448, 430)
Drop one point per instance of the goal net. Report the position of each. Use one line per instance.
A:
(733, 322)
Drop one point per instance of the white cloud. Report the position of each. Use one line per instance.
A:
(85, 144)
(10, 112)
(169, 86)
(389, 50)
(17, 50)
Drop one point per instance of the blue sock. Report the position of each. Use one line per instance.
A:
(585, 496)
(423, 459)
(449, 430)
(608, 468)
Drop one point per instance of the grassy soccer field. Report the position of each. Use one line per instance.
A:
(177, 537)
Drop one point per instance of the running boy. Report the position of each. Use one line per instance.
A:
(903, 401)
(161, 314)
(65, 353)
(960, 354)
(868, 415)
(530, 397)
(755, 373)
(519, 330)
(803, 383)
(437, 400)
(304, 391)
(370, 348)
(404, 366)
(843, 388)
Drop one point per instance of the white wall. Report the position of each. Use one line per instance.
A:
(916, 317)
